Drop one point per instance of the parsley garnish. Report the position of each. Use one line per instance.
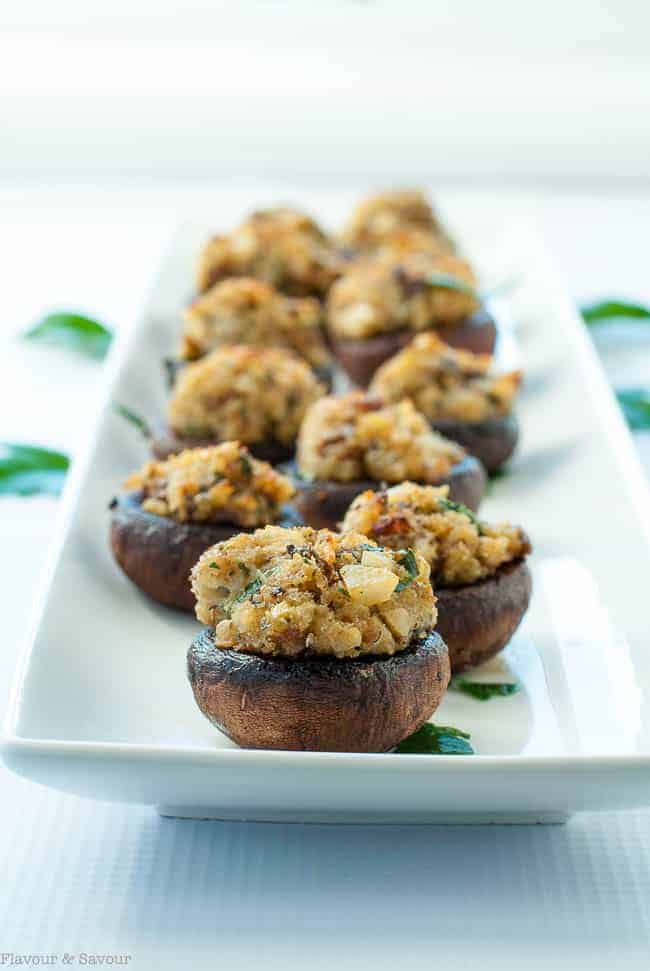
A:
(604, 311)
(74, 331)
(459, 507)
(249, 590)
(247, 468)
(449, 282)
(483, 690)
(635, 403)
(436, 740)
(409, 563)
(26, 470)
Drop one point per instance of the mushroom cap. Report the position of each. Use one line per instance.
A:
(318, 704)
(476, 621)
(323, 504)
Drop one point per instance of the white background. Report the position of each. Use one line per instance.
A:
(503, 90)
(116, 121)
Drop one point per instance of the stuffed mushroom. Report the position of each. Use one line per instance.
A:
(316, 641)
(457, 393)
(353, 442)
(479, 571)
(379, 218)
(283, 247)
(379, 304)
(242, 310)
(170, 512)
(257, 396)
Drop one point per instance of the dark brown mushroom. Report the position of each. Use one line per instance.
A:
(323, 504)
(157, 552)
(165, 442)
(492, 441)
(360, 357)
(476, 621)
(317, 703)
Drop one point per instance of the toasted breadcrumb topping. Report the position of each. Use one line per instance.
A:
(460, 548)
(303, 591)
(355, 436)
(380, 216)
(245, 394)
(420, 291)
(221, 483)
(284, 247)
(242, 310)
(446, 383)
(411, 241)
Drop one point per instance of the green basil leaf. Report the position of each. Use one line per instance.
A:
(249, 590)
(26, 470)
(409, 563)
(605, 311)
(134, 419)
(74, 331)
(436, 740)
(483, 690)
(459, 507)
(449, 282)
(635, 403)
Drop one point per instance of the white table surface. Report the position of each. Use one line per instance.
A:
(80, 876)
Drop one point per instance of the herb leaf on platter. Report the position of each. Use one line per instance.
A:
(483, 690)
(436, 740)
(27, 470)
(75, 331)
(493, 478)
(635, 403)
(606, 311)
(136, 420)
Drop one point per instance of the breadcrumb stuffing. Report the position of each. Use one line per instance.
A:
(380, 216)
(460, 548)
(245, 394)
(446, 383)
(304, 591)
(221, 483)
(420, 291)
(242, 310)
(284, 247)
(355, 436)
(411, 241)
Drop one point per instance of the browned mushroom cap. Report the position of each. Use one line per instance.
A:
(360, 357)
(165, 442)
(323, 504)
(315, 703)
(477, 621)
(157, 552)
(492, 441)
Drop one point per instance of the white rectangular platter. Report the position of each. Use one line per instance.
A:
(101, 706)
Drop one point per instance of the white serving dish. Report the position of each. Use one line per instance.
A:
(101, 706)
